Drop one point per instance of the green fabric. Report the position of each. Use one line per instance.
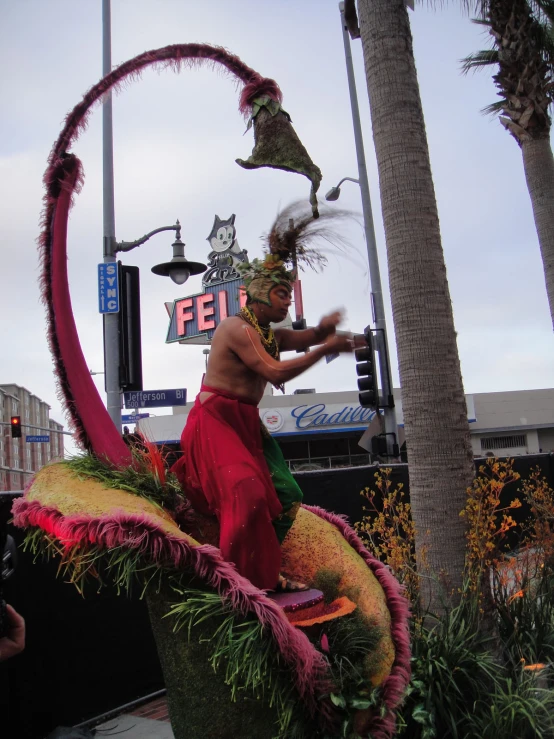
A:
(286, 486)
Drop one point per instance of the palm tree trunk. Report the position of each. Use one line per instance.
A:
(435, 414)
(538, 163)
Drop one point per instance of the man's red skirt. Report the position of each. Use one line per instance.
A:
(223, 472)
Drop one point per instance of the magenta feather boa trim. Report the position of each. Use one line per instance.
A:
(397, 682)
(309, 667)
(139, 532)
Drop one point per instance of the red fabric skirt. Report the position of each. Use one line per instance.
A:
(224, 473)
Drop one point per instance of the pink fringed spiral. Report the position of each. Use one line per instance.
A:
(87, 416)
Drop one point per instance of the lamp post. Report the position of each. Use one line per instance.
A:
(179, 269)
(391, 428)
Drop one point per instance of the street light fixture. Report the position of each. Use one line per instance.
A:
(334, 192)
(179, 269)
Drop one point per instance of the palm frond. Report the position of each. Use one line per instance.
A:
(494, 108)
(479, 59)
(467, 6)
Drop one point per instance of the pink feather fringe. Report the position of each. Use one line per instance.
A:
(396, 683)
(308, 665)
(140, 532)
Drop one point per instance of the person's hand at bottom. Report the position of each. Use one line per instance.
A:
(14, 641)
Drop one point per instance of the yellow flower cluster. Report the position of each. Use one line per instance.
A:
(389, 531)
(540, 497)
(487, 521)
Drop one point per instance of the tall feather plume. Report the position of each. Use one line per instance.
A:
(298, 239)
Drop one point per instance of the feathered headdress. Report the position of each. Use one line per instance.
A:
(296, 240)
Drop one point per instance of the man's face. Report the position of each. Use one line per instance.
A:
(280, 298)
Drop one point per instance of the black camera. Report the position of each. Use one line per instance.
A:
(7, 569)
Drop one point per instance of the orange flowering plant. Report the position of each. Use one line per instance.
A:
(488, 521)
(389, 530)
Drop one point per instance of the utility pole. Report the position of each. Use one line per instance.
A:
(391, 427)
(111, 320)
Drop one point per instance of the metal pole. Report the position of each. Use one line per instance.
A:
(369, 228)
(111, 320)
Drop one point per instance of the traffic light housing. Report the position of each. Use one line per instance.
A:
(130, 343)
(380, 448)
(16, 427)
(299, 324)
(366, 369)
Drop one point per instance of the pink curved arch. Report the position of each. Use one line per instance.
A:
(88, 417)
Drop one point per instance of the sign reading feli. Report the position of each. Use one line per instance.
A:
(195, 318)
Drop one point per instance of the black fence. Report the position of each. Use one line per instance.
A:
(87, 656)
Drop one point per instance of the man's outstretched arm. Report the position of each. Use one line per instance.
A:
(290, 340)
(247, 344)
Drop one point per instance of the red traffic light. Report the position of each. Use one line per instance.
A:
(16, 427)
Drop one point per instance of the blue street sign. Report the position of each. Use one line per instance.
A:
(155, 398)
(108, 288)
(134, 417)
(37, 439)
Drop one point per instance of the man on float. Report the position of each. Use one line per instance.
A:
(231, 467)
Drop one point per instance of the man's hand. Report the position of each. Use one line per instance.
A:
(14, 641)
(336, 343)
(328, 325)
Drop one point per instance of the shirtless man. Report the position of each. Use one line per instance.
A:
(231, 467)
(239, 362)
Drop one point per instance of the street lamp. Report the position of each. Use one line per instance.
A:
(178, 268)
(334, 192)
(391, 427)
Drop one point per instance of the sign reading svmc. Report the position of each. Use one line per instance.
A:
(37, 439)
(108, 288)
(155, 398)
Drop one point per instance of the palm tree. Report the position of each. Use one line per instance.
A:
(435, 416)
(523, 52)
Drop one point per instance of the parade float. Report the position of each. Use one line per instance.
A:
(237, 661)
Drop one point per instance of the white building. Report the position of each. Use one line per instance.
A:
(322, 430)
(19, 458)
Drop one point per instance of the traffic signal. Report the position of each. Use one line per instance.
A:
(366, 370)
(299, 325)
(130, 347)
(380, 448)
(16, 427)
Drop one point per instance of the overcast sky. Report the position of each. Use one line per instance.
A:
(176, 137)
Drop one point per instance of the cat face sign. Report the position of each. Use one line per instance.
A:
(223, 238)
(225, 254)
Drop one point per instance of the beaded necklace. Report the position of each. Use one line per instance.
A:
(266, 334)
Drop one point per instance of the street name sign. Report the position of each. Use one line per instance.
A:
(108, 288)
(134, 417)
(155, 398)
(37, 439)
